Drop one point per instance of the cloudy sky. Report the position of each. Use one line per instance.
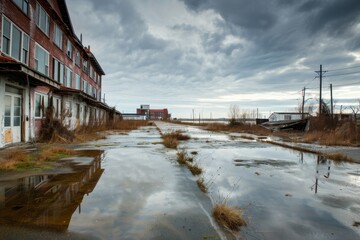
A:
(209, 54)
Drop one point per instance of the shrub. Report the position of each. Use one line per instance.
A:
(230, 217)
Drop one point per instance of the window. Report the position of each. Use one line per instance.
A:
(25, 49)
(85, 66)
(287, 117)
(41, 103)
(77, 58)
(15, 43)
(42, 19)
(23, 5)
(58, 71)
(6, 30)
(69, 49)
(58, 35)
(7, 122)
(90, 90)
(68, 77)
(91, 72)
(57, 107)
(85, 86)
(77, 81)
(41, 60)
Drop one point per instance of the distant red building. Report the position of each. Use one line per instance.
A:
(153, 114)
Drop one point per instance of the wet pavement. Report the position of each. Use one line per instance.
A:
(131, 187)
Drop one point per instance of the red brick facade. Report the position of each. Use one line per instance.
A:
(57, 12)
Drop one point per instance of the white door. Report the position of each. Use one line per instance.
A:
(12, 123)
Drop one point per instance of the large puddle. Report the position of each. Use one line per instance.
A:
(130, 187)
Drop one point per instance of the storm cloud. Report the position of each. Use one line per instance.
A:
(209, 54)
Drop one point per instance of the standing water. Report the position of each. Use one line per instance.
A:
(131, 187)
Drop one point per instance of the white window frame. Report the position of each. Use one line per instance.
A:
(69, 51)
(37, 60)
(77, 58)
(58, 71)
(58, 36)
(40, 13)
(43, 98)
(91, 72)
(23, 48)
(68, 77)
(85, 66)
(77, 80)
(85, 86)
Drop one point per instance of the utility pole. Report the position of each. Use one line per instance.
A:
(193, 116)
(303, 103)
(332, 110)
(320, 98)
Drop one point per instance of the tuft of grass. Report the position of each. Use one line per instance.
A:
(169, 141)
(194, 152)
(194, 169)
(229, 217)
(182, 157)
(356, 224)
(201, 184)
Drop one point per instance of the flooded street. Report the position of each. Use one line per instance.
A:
(129, 186)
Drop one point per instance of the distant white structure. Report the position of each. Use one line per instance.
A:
(134, 116)
(286, 116)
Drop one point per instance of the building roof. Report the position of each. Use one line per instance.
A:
(294, 113)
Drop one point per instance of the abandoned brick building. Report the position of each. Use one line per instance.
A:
(43, 62)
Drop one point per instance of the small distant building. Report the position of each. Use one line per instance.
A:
(287, 116)
(134, 116)
(153, 114)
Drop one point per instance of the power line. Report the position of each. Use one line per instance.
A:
(341, 74)
(340, 69)
(346, 84)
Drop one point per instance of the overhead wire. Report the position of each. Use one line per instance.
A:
(341, 69)
(341, 74)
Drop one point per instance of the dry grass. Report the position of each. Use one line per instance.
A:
(195, 169)
(171, 139)
(53, 153)
(356, 224)
(241, 127)
(339, 157)
(22, 160)
(201, 184)
(230, 217)
(247, 137)
(12, 158)
(182, 157)
(86, 133)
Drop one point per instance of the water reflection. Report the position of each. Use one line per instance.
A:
(50, 200)
(322, 169)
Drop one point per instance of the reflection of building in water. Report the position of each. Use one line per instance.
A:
(322, 168)
(48, 200)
